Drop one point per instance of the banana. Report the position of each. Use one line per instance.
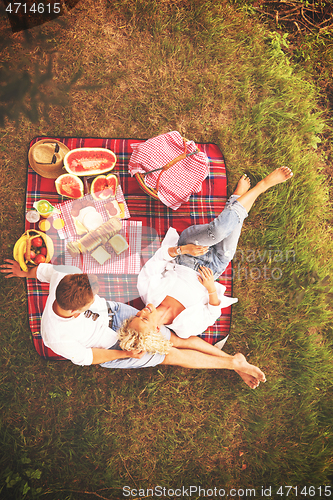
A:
(21, 254)
(16, 246)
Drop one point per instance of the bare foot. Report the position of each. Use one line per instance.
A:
(243, 185)
(251, 381)
(241, 365)
(279, 175)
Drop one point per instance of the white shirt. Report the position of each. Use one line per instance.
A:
(73, 338)
(160, 276)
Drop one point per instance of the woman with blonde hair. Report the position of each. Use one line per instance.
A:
(178, 283)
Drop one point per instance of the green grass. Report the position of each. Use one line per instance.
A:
(210, 72)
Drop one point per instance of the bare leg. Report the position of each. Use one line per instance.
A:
(197, 344)
(279, 175)
(243, 185)
(187, 358)
(196, 353)
(222, 233)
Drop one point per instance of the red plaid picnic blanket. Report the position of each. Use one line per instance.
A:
(155, 217)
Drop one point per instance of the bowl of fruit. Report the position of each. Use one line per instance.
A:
(33, 248)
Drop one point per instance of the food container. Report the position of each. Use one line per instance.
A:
(44, 225)
(58, 223)
(44, 208)
(32, 216)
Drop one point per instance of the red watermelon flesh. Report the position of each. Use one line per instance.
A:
(69, 185)
(103, 187)
(89, 161)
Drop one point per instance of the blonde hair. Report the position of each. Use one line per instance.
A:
(134, 340)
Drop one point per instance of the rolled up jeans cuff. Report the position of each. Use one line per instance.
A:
(235, 205)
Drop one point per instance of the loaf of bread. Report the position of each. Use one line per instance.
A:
(93, 239)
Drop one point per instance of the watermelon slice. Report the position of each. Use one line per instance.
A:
(104, 186)
(69, 185)
(89, 161)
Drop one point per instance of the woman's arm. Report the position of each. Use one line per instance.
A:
(206, 278)
(13, 270)
(151, 275)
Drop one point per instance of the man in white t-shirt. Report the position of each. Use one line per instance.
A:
(75, 324)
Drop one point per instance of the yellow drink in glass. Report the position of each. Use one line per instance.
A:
(44, 208)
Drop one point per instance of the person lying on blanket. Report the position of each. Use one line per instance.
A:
(75, 321)
(178, 283)
(76, 324)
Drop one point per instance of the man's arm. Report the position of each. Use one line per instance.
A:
(12, 270)
(104, 355)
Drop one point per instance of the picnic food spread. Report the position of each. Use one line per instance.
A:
(58, 223)
(85, 169)
(87, 181)
(101, 255)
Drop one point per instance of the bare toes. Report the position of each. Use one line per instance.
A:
(287, 171)
(243, 185)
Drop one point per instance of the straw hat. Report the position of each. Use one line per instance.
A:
(46, 157)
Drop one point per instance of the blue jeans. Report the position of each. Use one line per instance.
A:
(120, 312)
(221, 235)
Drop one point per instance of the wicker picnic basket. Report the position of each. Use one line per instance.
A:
(140, 176)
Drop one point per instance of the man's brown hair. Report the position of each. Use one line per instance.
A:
(74, 291)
